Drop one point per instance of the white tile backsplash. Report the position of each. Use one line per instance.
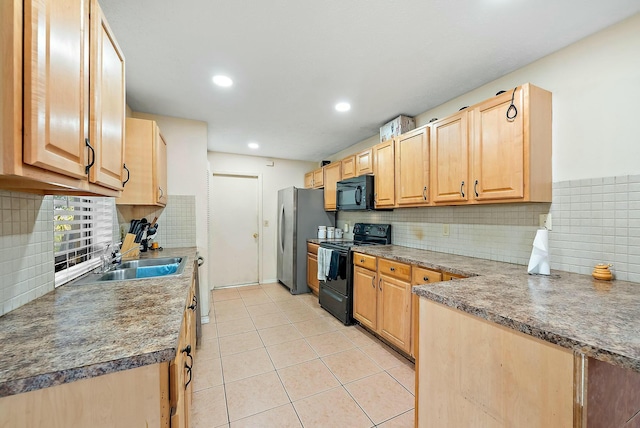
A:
(26, 248)
(594, 220)
(176, 222)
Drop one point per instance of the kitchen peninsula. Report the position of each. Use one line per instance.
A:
(504, 348)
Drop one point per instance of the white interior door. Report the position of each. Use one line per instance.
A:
(234, 222)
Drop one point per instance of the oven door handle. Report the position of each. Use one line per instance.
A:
(359, 195)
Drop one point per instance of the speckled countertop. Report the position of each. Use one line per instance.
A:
(598, 318)
(82, 331)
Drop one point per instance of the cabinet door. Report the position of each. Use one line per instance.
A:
(56, 85)
(312, 272)
(318, 178)
(332, 174)
(412, 168)
(139, 143)
(308, 180)
(498, 148)
(394, 311)
(450, 159)
(365, 297)
(107, 95)
(348, 167)
(364, 162)
(383, 156)
(161, 169)
(419, 276)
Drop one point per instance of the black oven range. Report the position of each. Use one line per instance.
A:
(336, 290)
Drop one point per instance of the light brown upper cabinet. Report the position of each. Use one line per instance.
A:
(348, 167)
(511, 146)
(107, 103)
(412, 168)
(47, 99)
(450, 159)
(146, 160)
(384, 174)
(308, 180)
(332, 174)
(364, 162)
(318, 178)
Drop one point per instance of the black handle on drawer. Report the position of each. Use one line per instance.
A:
(187, 350)
(425, 278)
(392, 269)
(194, 303)
(361, 260)
(188, 367)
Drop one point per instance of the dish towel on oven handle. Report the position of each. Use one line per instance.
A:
(324, 261)
(333, 266)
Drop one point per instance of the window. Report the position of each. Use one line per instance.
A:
(83, 227)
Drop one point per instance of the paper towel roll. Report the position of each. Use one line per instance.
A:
(539, 261)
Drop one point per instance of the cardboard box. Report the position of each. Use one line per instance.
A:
(397, 126)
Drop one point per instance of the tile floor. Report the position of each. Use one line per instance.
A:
(270, 359)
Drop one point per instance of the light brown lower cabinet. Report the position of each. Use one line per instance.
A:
(382, 299)
(312, 268)
(156, 395)
(474, 373)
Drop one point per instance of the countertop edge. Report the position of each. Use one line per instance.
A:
(544, 335)
(61, 377)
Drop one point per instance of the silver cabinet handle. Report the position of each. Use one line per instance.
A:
(161, 192)
(475, 188)
(380, 284)
(461, 189)
(424, 193)
(373, 282)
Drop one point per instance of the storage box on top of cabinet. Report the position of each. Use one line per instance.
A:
(61, 116)
(397, 126)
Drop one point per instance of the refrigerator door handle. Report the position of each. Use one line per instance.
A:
(281, 226)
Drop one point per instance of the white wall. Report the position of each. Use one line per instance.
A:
(596, 88)
(283, 173)
(187, 175)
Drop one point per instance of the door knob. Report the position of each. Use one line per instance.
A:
(255, 235)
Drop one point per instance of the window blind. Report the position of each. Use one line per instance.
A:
(83, 227)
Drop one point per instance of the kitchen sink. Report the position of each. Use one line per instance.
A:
(149, 262)
(128, 271)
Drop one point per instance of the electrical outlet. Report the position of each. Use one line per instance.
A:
(445, 230)
(545, 221)
(266, 223)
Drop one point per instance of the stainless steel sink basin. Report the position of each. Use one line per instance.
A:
(118, 275)
(127, 271)
(149, 262)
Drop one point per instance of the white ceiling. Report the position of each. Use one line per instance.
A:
(293, 60)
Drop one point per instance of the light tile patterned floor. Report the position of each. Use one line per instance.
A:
(271, 359)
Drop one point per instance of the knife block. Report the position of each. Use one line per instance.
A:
(130, 249)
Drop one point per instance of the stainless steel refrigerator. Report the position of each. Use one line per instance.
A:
(300, 212)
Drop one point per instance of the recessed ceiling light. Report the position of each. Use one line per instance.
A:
(253, 146)
(223, 81)
(342, 107)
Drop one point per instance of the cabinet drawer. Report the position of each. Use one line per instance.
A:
(449, 276)
(424, 276)
(395, 269)
(312, 248)
(367, 262)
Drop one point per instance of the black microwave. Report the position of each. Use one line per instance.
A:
(355, 194)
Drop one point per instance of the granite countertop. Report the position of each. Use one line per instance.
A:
(82, 331)
(598, 318)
